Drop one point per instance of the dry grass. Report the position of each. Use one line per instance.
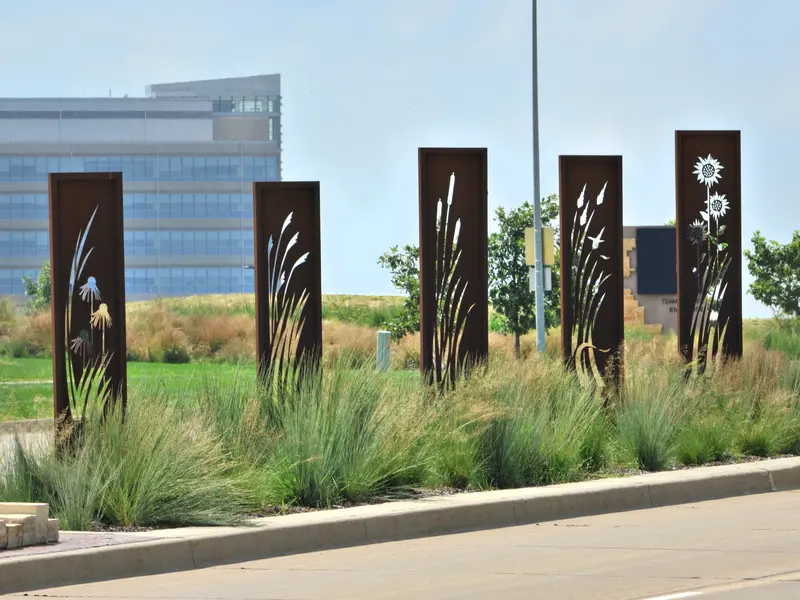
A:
(222, 328)
(192, 330)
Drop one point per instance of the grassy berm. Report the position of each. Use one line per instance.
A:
(218, 451)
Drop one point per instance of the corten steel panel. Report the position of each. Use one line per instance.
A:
(454, 266)
(287, 249)
(592, 300)
(709, 207)
(87, 276)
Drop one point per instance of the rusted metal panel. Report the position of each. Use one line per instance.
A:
(87, 274)
(288, 277)
(454, 266)
(592, 294)
(708, 190)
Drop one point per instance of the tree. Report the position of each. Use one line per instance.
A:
(38, 290)
(509, 288)
(775, 269)
(404, 268)
(671, 223)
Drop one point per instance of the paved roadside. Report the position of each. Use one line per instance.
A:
(745, 548)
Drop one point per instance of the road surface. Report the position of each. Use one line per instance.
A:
(737, 549)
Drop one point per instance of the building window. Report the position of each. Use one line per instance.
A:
(24, 206)
(24, 244)
(139, 168)
(11, 280)
(250, 106)
(271, 129)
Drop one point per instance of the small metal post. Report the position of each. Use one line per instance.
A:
(384, 351)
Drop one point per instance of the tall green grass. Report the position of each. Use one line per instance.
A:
(225, 448)
(784, 337)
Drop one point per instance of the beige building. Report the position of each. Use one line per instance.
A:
(189, 153)
(650, 277)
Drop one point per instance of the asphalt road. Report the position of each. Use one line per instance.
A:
(738, 549)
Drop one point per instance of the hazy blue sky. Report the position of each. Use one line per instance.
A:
(365, 82)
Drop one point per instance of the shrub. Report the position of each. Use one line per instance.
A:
(160, 468)
(649, 416)
(704, 440)
(545, 430)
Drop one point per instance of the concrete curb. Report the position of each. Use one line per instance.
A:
(186, 549)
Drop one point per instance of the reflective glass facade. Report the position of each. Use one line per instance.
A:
(15, 207)
(190, 243)
(144, 168)
(25, 243)
(164, 243)
(188, 281)
(11, 281)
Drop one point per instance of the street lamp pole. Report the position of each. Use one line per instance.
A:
(537, 203)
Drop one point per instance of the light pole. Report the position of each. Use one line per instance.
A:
(537, 203)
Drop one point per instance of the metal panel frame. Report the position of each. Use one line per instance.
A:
(454, 335)
(694, 152)
(273, 202)
(586, 214)
(88, 204)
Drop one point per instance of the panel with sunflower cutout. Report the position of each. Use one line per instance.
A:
(708, 203)
(287, 280)
(88, 292)
(592, 297)
(454, 310)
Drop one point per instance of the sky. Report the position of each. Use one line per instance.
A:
(367, 82)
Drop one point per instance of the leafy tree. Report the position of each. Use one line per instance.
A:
(38, 290)
(775, 269)
(404, 268)
(670, 222)
(509, 288)
(508, 276)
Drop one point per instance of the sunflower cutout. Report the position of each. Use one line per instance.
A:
(708, 170)
(697, 232)
(718, 205)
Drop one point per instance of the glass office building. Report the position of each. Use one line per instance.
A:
(189, 153)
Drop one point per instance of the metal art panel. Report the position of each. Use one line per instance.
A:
(592, 296)
(454, 264)
(709, 239)
(87, 275)
(288, 278)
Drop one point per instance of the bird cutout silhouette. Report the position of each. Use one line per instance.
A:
(596, 241)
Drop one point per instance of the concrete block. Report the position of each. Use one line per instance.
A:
(14, 533)
(52, 531)
(27, 523)
(3, 535)
(40, 510)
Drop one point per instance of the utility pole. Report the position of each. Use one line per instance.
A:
(537, 201)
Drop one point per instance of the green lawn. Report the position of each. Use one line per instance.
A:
(35, 400)
(26, 390)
